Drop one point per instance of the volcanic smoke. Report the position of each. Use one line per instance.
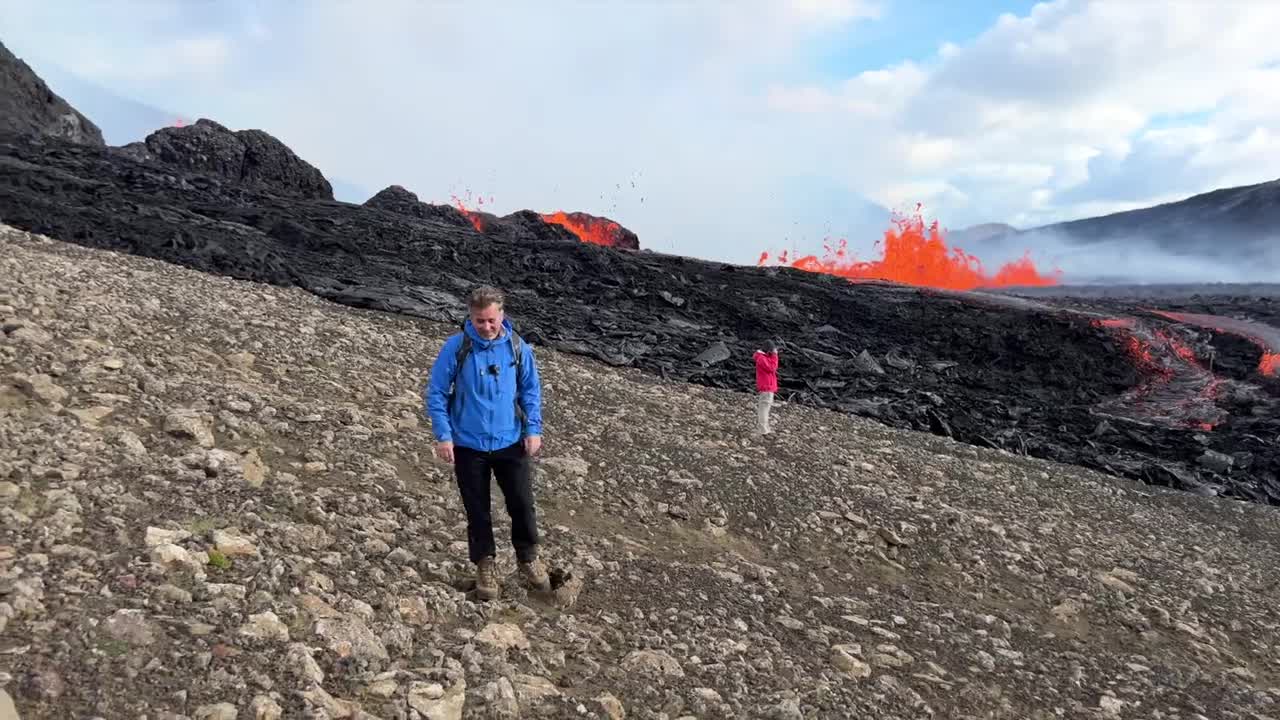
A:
(916, 254)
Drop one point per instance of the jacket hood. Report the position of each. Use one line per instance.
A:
(470, 330)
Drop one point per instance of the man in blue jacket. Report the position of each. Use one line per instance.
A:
(485, 404)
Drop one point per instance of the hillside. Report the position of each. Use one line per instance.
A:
(1236, 221)
(29, 106)
(219, 502)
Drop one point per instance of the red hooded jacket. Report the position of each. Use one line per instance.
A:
(766, 371)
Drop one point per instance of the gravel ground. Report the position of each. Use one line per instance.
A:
(218, 501)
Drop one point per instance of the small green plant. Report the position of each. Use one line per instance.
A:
(219, 560)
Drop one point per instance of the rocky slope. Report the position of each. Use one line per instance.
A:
(28, 106)
(218, 501)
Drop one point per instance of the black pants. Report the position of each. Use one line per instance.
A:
(511, 466)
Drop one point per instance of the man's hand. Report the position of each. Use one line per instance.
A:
(444, 451)
(532, 445)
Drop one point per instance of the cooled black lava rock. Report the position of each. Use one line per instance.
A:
(397, 199)
(27, 105)
(250, 157)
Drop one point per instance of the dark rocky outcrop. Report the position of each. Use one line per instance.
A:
(27, 105)
(251, 157)
(578, 226)
(397, 199)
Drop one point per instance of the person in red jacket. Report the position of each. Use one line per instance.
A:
(766, 385)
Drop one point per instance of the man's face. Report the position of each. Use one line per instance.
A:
(487, 320)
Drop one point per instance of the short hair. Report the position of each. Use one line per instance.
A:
(484, 296)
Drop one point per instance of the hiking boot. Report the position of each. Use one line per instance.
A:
(487, 580)
(535, 574)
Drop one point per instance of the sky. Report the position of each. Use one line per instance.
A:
(715, 129)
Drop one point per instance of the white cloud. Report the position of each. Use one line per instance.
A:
(183, 58)
(1068, 86)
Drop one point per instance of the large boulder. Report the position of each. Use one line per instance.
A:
(251, 157)
(28, 106)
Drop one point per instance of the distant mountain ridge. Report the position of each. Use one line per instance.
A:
(1221, 222)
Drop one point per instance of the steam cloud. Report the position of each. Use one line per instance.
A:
(1136, 259)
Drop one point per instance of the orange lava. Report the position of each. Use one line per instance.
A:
(594, 230)
(1163, 368)
(917, 254)
(179, 122)
(1270, 365)
(1116, 322)
(477, 220)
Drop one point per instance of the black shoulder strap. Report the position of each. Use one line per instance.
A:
(464, 349)
(517, 349)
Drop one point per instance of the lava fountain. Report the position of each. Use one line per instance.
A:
(917, 254)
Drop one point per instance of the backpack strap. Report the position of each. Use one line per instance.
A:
(517, 349)
(464, 349)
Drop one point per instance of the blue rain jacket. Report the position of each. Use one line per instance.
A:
(483, 414)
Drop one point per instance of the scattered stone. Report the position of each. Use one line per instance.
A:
(40, 387)
(131, 627)
(654, 663)
(500, 698)
(188, 425)
(221, 711)
(299, 663)
(437, 703)
(844, 658)
(348, 636)
(264, 707)
(232, 544)
(265, 626)
(533, 690)
(503, 636)
(611, 706)
(92, 416)
(162, 536)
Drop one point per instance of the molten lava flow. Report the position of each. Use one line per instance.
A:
(1270, 364)
(589, 229)
(1177, 388)
(916, 254)
(1264, 336)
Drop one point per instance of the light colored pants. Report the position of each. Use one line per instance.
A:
(764, 401)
